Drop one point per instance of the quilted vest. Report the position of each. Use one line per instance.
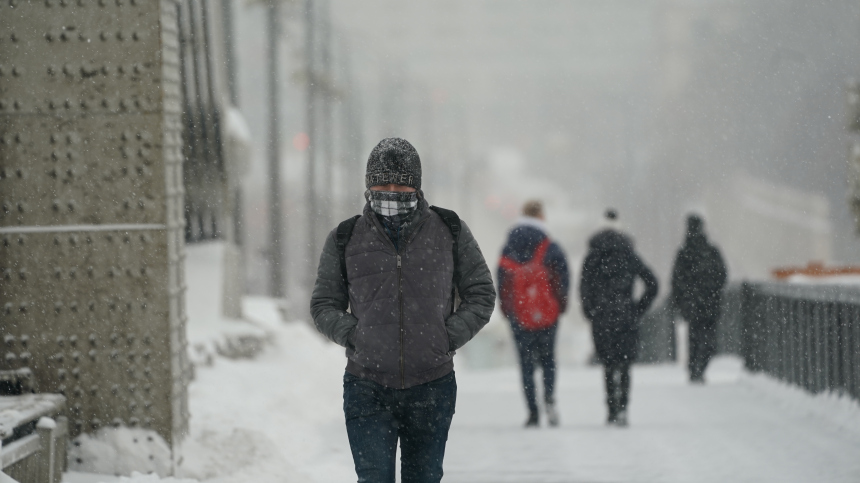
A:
(401, 301)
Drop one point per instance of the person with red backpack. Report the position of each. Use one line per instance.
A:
(533, 286)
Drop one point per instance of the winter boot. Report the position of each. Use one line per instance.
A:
(532, 421)
(552, 415)
(612, 416)
(621, 419)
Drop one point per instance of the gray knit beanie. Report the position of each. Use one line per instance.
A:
(393, 161)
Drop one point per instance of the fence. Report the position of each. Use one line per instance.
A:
(658, 341)
(806, 335)
(33, 447)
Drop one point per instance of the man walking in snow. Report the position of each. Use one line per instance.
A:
(609, 272)
(533, 287)
(417, 289)
(698, 279)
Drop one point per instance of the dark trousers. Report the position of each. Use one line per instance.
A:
(536, 347)
(377, 416)
(617, 376)
(702, 345)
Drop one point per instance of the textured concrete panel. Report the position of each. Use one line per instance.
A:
(91, 208)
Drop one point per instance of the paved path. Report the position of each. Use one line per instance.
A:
(736, 428)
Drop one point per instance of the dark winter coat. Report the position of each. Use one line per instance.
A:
(609, 272)
(698, 279)
(402, 328)
(522, 243)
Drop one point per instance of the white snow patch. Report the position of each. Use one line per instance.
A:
(151, 478)
(828, 280)
(204, 275)
(209, 331)
(120, 451)
(834, 409)
(136, 477)
(272, 419)
(46, 423)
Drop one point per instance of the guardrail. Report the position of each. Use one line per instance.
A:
(33, 446)
(806, 335)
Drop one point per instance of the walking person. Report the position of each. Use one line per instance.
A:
(417, 288)
(698, 279)
(609, 273)
(533, 289)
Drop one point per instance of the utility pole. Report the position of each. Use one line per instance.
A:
(327, 131)
(229, 49)
(310, 121)
(350, 140)
(276, 255)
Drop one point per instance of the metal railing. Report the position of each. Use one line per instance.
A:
(806, 335)
(34, 439)
(658, 340)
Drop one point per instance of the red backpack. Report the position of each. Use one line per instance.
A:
(534, 303)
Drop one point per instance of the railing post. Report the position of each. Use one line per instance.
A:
(806, 324)
(794, 342)
(832, 348)
(854, 349)
(843, 346)
(46, 428)
(815, 346)
(780, 340)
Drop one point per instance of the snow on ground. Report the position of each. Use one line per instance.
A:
(278, 418)
(208, 330)
(737, 428)
(120, 451)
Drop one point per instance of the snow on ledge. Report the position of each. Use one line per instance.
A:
(801, 279)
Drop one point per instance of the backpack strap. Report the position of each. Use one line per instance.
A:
(344, 233)
(453, 221)
(540, 252)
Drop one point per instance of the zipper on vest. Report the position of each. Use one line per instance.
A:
(400, 298)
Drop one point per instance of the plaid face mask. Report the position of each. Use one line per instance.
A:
(393, 203)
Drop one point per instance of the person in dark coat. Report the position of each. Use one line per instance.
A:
(698, 279)
(387, 294)
(609, 273)
(535, 344)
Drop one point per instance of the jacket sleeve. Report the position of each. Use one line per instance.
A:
(504, 296)
(477, 295)
(722, 272)
(330, 298)
(557, 264)
(586, 285)
(651, 286)
(677, 281)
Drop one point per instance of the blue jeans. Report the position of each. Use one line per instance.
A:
(536, 346)
(377, 416)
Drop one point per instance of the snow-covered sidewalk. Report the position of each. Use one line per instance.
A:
(278, 418)
(738, 428)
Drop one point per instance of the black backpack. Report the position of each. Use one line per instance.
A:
(344, 233)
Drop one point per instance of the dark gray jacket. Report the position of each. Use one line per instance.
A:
(402, 328)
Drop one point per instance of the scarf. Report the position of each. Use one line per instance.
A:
(394, 209)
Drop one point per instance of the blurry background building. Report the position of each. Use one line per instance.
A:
(655, 107)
